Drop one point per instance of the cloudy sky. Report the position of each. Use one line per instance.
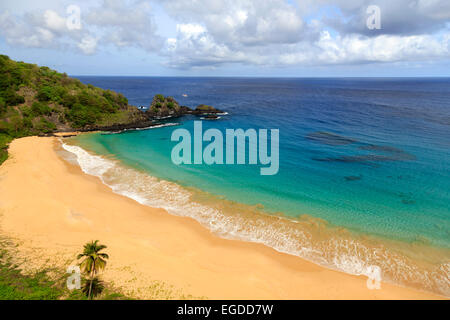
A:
(291, 38)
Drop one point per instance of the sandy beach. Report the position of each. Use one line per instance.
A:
(50, 208)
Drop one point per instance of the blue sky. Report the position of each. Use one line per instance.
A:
(295, 38)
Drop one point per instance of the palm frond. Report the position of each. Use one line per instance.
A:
(94, 260)
(101, 247)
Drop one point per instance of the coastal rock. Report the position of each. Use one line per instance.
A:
(122, 126)
(162, 107)
(205, 110)
(186, 110)
(211, 117)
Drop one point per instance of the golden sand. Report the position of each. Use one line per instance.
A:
(51, 208)
(66, 134)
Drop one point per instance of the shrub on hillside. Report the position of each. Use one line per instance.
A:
(2, 105)
(11, 98)
(38, 109)
(81, 115)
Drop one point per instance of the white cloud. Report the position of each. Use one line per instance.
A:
(195, 47)
(210, 33)
(359, 49)
(126, 24)
(39, 29)
(241, 22)
(190, 30)
(117, 22)
(88, 45)
(18, 32)
(200, 49)
(273, 32)
(399, 17)
(54, 21)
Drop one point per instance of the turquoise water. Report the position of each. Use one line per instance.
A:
(373, 204)
(382, 168)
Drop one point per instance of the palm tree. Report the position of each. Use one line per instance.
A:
(93, 261)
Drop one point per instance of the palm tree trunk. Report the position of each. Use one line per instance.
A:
(92, 279)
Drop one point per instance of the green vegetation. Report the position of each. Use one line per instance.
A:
(204, 107)
(37, 109)
(39, 285)
(160, 97)
(37, 100)
(16, 286)
(4, 141)
(164, 106)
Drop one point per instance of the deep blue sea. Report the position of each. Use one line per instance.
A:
(364, 168)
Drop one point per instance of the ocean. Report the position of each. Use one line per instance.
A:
(364, 168)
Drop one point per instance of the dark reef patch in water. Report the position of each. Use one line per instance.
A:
(360, 158)
(407, 197)
(388, 153)
(353, 178)
(396, 153)
(388, 149)
(330, 138)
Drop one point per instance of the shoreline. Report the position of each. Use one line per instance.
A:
(62, 208)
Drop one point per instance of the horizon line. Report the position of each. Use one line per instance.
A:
(268, 77)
